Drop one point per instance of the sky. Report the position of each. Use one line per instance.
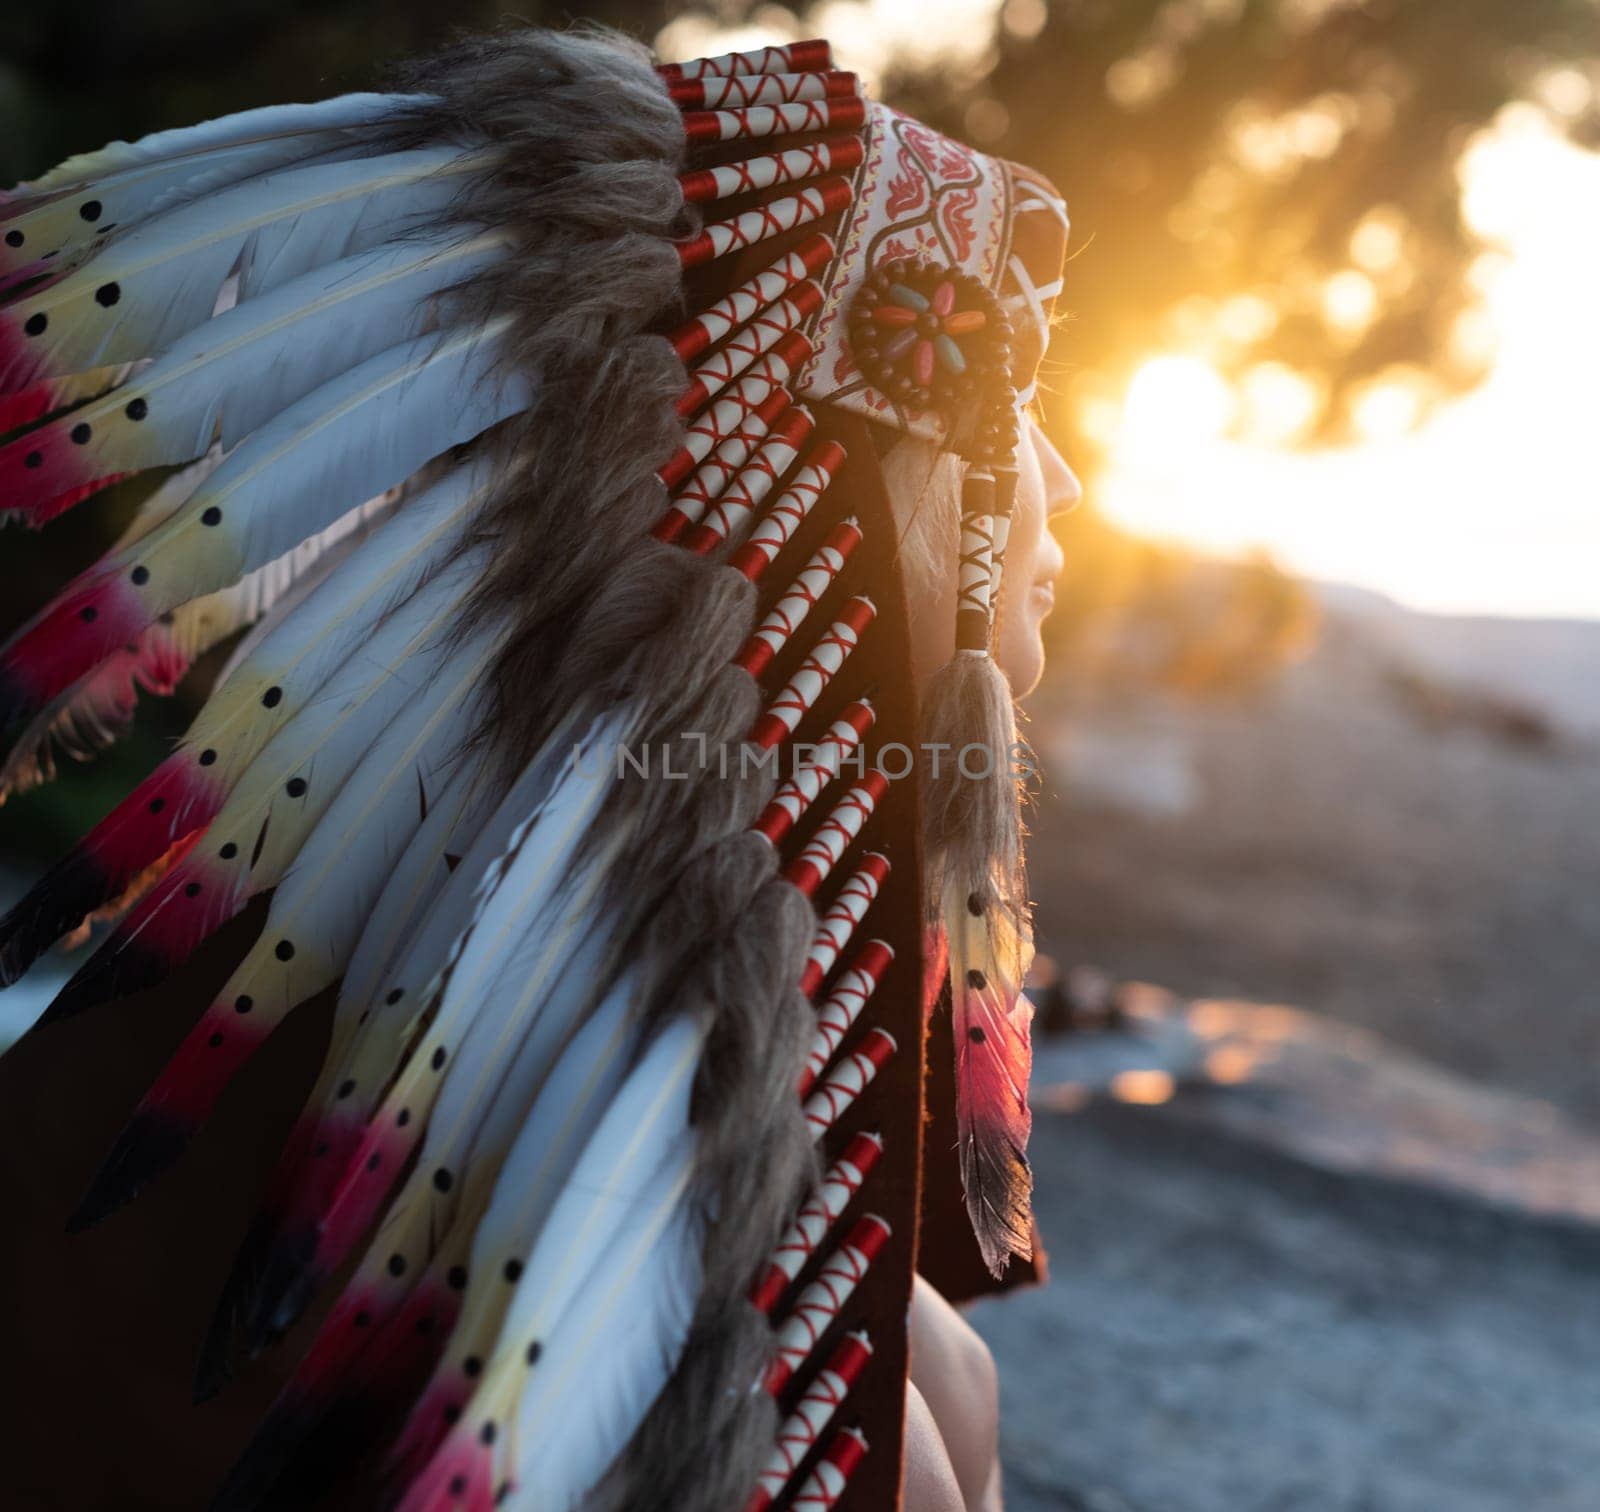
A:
(1491, 505)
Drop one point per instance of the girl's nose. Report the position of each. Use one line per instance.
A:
(1062, 490)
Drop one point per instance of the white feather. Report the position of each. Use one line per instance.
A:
(222, 380)
(531, 1004)
(168, 272)
(295, 652)
(456, 817)
(624, 1192)
(213, 146)
(581, 1085)
(261, 825)
(397, 1008)
(618, 1259)
(490, 1031)
(325, 740)
(614, 1352)
(510, 918)
(611, 1179)
(280, 587)
(514, 927)
(329, 888)
(97, 709)
(456, 814)
(366, 431)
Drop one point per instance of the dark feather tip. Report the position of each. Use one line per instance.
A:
(258, 1470)
(288, 1283)
(214, 1369)
(100, 980)
(61, 900)
(15, 705)
(214, 1366)
(151, 1142)
(307, 1448)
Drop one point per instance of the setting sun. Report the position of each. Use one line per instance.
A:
(1175, 401)
(1482, 504)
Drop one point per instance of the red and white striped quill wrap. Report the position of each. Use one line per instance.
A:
(703, 127)
(749, 343)
(776, 528)
(791, 57)
(751, 395)
(790, 802)
(809, 870)
(742, 91)
(816, 1219)
(838, 1015)
(789, 613)
(762, 223)
(843, 917)
(810, 1419)
(749, 490)
(731, 311)
(721, 467)
(785, 359)
(817, 1307)
(794, 164)
(787, 709)
(848, 1080)
(826, 1484)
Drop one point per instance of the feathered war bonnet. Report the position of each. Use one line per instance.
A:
(489, 409)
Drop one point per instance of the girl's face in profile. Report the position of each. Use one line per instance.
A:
(1046, 486)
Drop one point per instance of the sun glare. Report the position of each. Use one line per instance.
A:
(1175, 401)
(1482, 504)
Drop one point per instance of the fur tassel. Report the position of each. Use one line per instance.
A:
(971, 821)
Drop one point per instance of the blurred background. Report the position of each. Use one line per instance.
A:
(1316, 851)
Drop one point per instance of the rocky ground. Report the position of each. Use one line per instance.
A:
(1247, 1314)
(1340, 1260)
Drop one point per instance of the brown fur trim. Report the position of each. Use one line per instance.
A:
(588, 147)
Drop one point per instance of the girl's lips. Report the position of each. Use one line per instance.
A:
(1043, 594)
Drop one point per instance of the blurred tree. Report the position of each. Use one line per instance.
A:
(1136, 615)
(1270, 180)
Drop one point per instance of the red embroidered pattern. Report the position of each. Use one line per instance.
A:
(956, 213)
(907, 191)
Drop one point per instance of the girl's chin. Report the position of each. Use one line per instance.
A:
(1024, 665)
